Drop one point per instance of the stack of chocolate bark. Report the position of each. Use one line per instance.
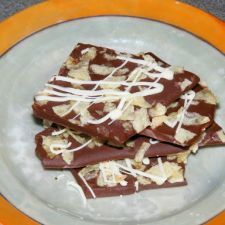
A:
(123, 123)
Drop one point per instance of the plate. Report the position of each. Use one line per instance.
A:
(28, 65)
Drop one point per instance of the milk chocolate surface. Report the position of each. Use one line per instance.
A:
(93, 154)
(133, 184)
(88, 63)
(197, 118)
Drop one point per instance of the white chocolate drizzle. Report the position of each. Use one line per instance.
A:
(129, 165)
(153, 142)
(87, 185)
(161, 167)
(136, 184)
(64, 147)
(146, 161)
(188, 98)
(141, 173)
(56, 93)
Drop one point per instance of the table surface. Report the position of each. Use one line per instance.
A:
(215, 7)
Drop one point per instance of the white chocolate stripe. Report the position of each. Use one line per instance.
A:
(55, 133)
(138, 172)
(188, 98)
(64, 147)
(87, 185)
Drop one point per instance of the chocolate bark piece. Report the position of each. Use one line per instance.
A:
(214, 135)
(108, 179)
(138, 86)
(196, 119)
(95, 151)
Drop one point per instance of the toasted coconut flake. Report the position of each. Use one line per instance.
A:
(60, 110)
(141, 120)
(207, 96)
(47, 141)
(193, 118)
(67, 157)
(184, 84)
(139, 156)
(109, 106)
(90, 172)
(143, 180)
(184, 135)
(102, 69)
(128, 114)
(127, 126)
(157, 110)
(173, 171)
(80, 73)
(141, 102)
(158, 121)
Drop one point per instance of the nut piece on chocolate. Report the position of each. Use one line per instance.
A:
(111, 95)
(67, 149)
(123, 177)
(186, 119)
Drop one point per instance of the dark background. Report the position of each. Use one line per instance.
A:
(215, 7)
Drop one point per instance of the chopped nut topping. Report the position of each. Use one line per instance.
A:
(90, 55)
(67, 157)
(141, 120)
(82, 109)
(109, 106)
(143, 180)
(207, 96)
(157, 110)
(193, 118)
(148, 58)
(60, 110)
(130, 144)
(173, 105)
(173, 171)
(141, 152)
(127, 126)
(177, 69)
(48, 140)
(70, 63)
(158, 121)
(184, 84)
(101, 69)
(141, 102)
(90, 172)
(109, 175)
(47, 123)
(80, 73)
(109, 57)
(128, 114)
(183, 156)
(184, 135)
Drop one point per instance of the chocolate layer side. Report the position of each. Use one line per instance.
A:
(88, 155)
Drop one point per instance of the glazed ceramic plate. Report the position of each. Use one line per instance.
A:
(23, 181)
